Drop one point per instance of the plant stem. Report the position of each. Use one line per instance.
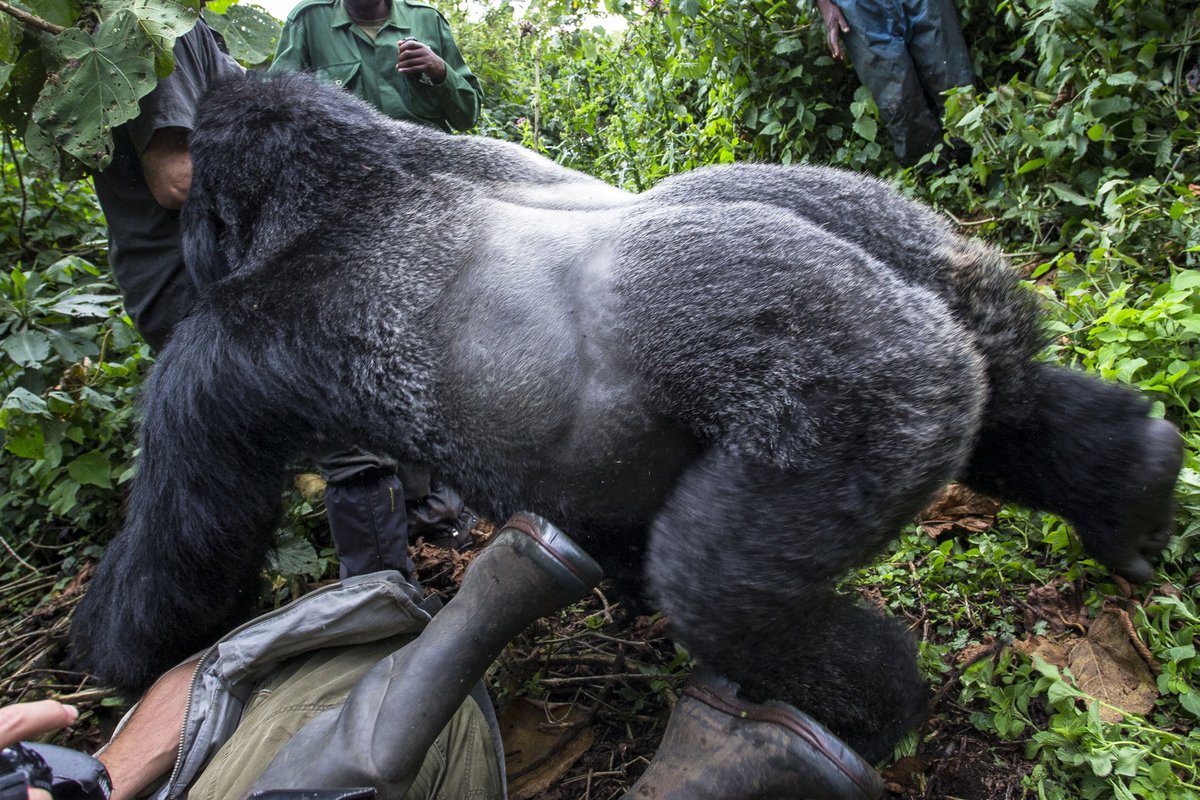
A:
(32, 20)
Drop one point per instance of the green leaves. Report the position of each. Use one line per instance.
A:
(27, 348)
(65, 92)
(85, 304)
(69, 366)
(59, 12)
(98, 80)
(250, 32)
(866, 127)
(96, 76)
(160, 23)
(294, 555)
(19, 415)
(92, 468)
(11, 33)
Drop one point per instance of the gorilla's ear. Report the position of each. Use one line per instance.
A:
(203, 254)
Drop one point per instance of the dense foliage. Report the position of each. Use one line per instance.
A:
(72, 70)
(1085, 128)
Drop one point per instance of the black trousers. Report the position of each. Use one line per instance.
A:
(375, 505)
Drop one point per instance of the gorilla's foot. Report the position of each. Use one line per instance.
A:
(720, 747)
(380, 735)
(1141, 524)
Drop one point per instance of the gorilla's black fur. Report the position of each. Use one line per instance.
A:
(747, 378)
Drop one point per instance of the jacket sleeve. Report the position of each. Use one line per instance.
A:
(459, 94)
(290, 55)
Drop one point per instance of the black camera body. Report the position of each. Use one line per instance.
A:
(66, 774)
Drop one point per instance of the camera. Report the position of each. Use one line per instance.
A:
(66, 774)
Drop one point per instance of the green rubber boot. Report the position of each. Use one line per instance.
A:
(379, 737)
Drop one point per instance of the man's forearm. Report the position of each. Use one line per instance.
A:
(147, 746)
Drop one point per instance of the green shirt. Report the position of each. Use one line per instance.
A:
(320, 37)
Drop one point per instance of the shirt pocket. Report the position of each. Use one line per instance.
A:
(425, 108)
(344, 74)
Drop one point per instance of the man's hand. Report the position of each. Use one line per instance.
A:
(24, 720)
(415, 57)
(835, 26)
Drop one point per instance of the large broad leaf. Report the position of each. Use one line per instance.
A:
(27, 348)
(25, 438)
(1107, 666)
(250, 33)
(40, 145)
(1078, 9)
(294, 556)
(161, 22)
(73, 346)
(22, 401)
(84, 305)
(96, 86)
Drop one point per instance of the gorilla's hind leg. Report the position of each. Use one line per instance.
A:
(743, 561)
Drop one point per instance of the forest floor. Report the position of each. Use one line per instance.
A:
(583, 697)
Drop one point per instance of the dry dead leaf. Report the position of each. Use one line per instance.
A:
(1107, 666)
(310, 485)
(439, 565)
(541, 742)
(1167, 590)
(905, 775)
(957, 509)
(648, 628)
(1057, 604)
(1046, 649)
(974, 652)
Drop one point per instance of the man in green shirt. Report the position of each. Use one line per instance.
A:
(398, 55)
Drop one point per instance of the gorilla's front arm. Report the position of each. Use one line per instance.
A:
(751, 375)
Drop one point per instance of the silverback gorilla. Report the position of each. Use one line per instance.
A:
(743, 381)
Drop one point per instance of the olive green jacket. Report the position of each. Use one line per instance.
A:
(320, 37)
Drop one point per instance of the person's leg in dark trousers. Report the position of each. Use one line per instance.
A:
(879, 51)
(364, 501)
(937, 47)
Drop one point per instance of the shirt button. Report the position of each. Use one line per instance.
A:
(338, 82)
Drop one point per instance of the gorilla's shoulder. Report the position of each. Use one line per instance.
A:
(268, 104)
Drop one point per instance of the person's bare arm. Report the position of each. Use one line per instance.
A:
(146, 747)
(167, 165)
